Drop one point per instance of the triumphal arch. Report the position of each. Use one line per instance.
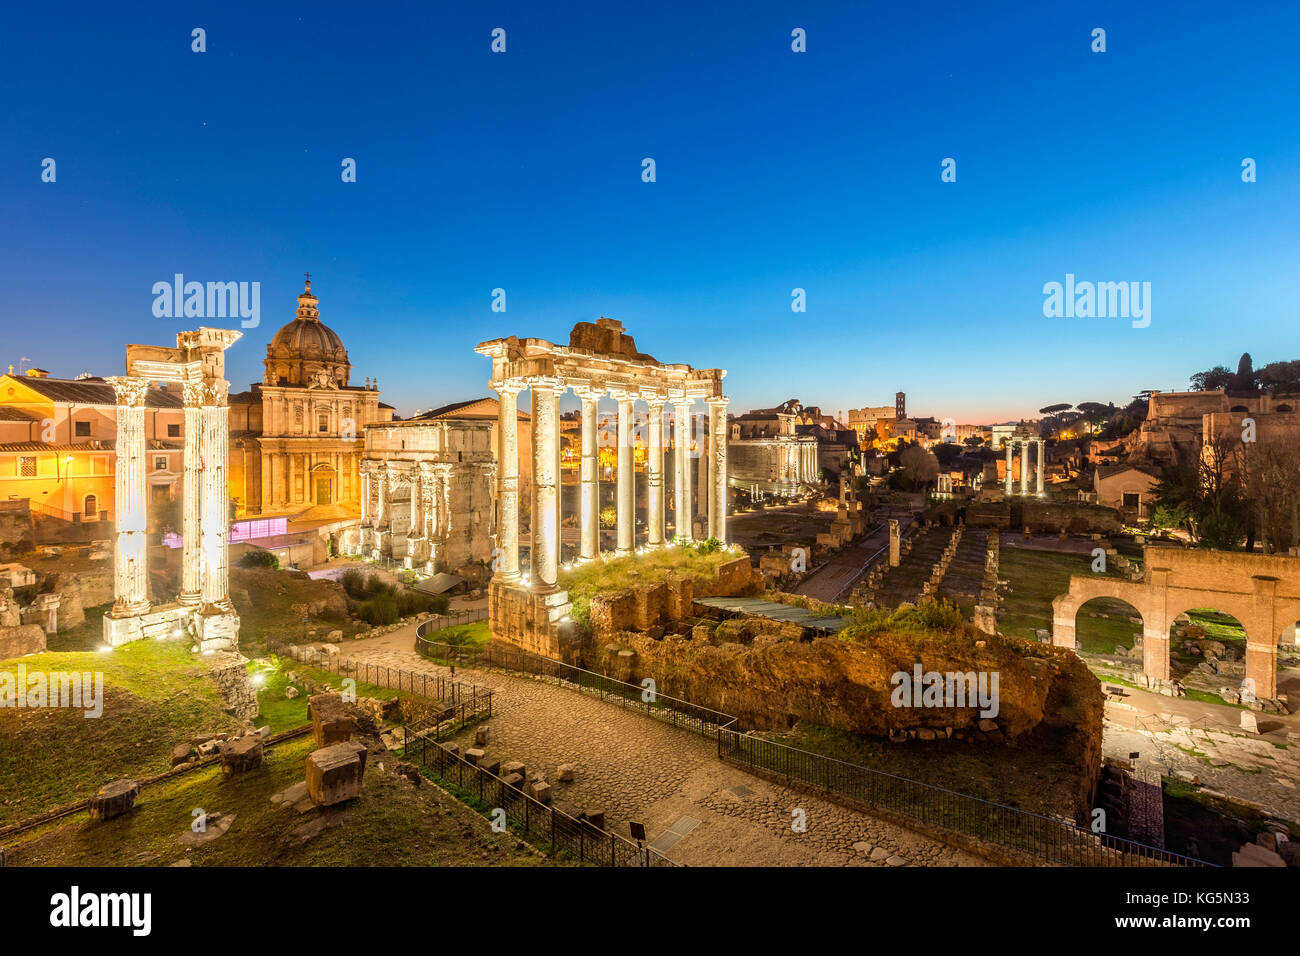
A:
(1262, 591)
(197, 364)
(529, 608)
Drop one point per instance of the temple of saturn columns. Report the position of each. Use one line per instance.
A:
(203, 608)
(528, 608)
(1026, 444)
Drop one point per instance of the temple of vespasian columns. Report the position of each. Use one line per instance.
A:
(197, 364)
(528, 608)
(1026, 443)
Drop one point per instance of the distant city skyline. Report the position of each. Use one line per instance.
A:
(775, 171)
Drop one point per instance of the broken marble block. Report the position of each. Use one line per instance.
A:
(334, 773)
(241, 754)
(330, 721)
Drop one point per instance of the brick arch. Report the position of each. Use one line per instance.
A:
(1261, 591)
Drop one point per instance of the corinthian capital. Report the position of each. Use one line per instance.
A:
(130, 391)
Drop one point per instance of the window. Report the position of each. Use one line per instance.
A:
(173, 431)
(323, 422)
(1132, 499)
(89, 506)
(82, 429)
(160, 463)
(27, 467)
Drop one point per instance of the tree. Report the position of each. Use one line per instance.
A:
(1218, 377)
(921, 466)
(1055, 409)
(1281, 376)
(1245, 380)
(1094, 413)
(1206, 494)
(1270, 478)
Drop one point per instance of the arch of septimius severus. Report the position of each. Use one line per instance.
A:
(197, 364)
(1262, 591)
(529, 608)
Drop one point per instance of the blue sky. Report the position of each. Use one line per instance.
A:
(775, 170)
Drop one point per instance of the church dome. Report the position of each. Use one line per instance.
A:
(305, 348)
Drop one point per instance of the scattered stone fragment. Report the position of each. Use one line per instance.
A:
(114, 799)
(334, 773)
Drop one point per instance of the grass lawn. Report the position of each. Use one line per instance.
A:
(156, 694)
(652, 567)
(1037, 578)
(284, 713)
(87, 636)
(390, 824)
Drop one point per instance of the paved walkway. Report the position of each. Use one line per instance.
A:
(638, 769)
(1174, 734)
(841, 571)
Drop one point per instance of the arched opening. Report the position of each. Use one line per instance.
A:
(1110, 626)
(1288, 662)
(1207, 650)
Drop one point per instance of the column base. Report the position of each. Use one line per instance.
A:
(217, 629)
(189, 599)
(536, 621)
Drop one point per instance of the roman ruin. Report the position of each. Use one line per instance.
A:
(203, 607)
(529, 608)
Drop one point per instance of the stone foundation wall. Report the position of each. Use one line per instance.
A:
(230, 673)
(22, 639)
(535, 621)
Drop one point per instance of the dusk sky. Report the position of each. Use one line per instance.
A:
(775, 170)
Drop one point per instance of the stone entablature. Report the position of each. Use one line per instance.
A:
(427, 494)
(600, 359)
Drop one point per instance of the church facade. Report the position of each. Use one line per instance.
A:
(297, 438)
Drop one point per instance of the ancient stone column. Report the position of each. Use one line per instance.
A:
(655, 474)
(895, 542)
(215, 506)
(1007, 489)
(130, 553)
(382, 516)
(506, 561)
(364, 531)
(1024, 468)
(626, 475)
(682, 429)
(590, 477)
(1042, 454)
(545, 558)
(415, 532)
(718, 469)
(192, 497)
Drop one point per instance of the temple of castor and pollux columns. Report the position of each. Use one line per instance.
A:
(528, 608)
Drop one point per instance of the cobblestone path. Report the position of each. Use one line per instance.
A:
(636, 768)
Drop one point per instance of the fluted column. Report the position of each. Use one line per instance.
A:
(682, 432)
(589, 504)
(130, 551)
(364, 531)
(1007, 488)
(1024, 468)
(545, 563)
(626, 497)
(718, 469)
(1042, 453)
(215, 508)
(507, 560)
(655, 473)
(192, 497)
